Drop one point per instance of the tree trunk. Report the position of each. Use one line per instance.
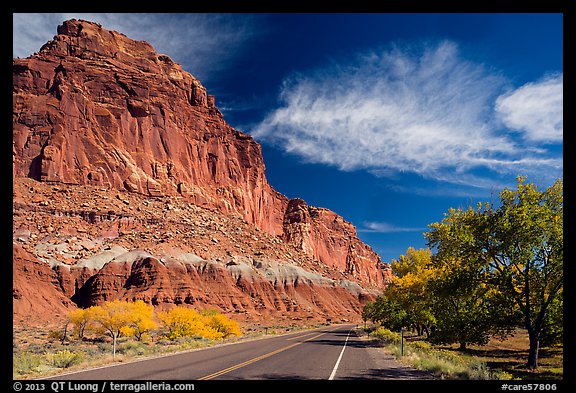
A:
(534, 348)
(114, 345)
(462, 345)
(65, 332)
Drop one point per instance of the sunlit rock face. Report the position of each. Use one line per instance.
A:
(109, 134)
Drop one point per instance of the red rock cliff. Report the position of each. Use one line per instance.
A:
(332, 240)
(94, 107)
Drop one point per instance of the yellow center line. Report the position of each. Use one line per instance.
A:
(302, 336)
(240, 365)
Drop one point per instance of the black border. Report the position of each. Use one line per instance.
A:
(566, 7)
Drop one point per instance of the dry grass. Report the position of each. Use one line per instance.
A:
(511, 354)
(498, 359)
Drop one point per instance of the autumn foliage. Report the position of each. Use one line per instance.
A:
(137, 319)
(186, 322)
(494, 268)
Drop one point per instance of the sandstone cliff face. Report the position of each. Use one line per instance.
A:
(333, 241)
(96, 109)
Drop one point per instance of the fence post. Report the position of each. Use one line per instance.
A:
(402, 342)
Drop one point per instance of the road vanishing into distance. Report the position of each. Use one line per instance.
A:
(332, 352)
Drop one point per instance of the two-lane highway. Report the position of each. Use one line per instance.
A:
(333, 352)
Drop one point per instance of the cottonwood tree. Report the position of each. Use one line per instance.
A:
(80, 318)
(141, 320)
(112, 318)
(466, 309)
(182, 321)
(412, 272)
(386, 312)
(518, 245)
(220, 323)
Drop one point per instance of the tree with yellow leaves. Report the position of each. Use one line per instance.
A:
(223, 325)
(405, 302)
(409, 288)
(121, 318)
(80, 318)
(182, 321)
(112, 318)
(141, 320)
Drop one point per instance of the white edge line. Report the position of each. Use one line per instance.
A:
(339, 357)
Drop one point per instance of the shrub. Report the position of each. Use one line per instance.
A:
(55, 335)
(92, 352)
(26, 362)
(64, 359)
(385, 335)
(105, 347)
(132, 348)
(185, 343)
(440, 362)
(422, 345)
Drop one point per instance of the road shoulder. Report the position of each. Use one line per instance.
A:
(380, 364)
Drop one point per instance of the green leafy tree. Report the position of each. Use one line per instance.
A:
(518, 248)
(368, 312)
(386, 312)
(467, 311)
(553, 332)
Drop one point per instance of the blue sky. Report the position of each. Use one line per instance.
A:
(387, 119)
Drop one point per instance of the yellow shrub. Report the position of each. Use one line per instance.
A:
(186, 322)
(181, 322)
(223, 325)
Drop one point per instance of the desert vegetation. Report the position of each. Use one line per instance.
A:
(116, 331)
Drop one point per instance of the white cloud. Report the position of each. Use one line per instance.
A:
(203, 43)
(535, 109)
(31, 31)
(418, 110)
(383, 227)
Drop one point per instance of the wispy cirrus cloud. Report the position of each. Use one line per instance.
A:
(422, 110)
(203, 43)
(384, 227)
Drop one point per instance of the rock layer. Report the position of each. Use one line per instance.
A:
(36, 289)
(94, 108)
(165, 252)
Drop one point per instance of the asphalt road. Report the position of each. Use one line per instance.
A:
(332, 352)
